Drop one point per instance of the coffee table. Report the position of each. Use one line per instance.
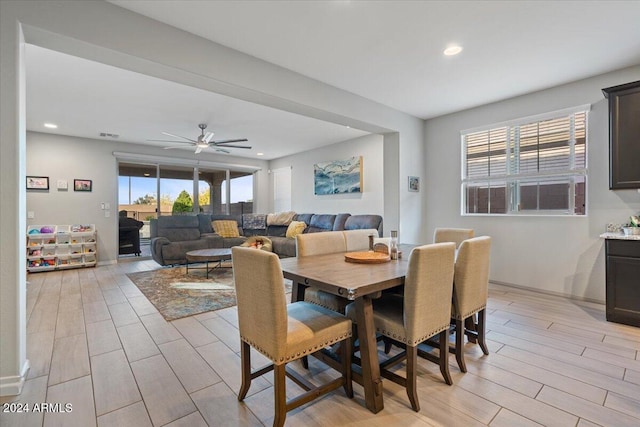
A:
(207, 256)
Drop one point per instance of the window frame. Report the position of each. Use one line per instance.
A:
(513, 181)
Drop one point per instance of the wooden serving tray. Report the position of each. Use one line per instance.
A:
(368, 257)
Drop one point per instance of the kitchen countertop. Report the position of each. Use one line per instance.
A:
(619, 236)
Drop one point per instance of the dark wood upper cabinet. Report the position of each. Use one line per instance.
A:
(624, 135)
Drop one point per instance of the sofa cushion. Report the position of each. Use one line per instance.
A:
(277, 230)
(177, 252)
(230, 242)
(341, 218)
(204, 223)
(180, 234)
(304, 217)
(226, 228)
(356, 222)
(283, 247)
(295, 228)
(320, 223)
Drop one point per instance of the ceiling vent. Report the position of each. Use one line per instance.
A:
(109, 135)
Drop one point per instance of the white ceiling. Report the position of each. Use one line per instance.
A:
(387, 51)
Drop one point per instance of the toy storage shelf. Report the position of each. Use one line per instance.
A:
(56, 247)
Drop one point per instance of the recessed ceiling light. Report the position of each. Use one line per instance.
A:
(259, 154)
(51, 126)
(453, 50)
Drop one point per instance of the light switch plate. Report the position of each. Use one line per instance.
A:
(31, 214)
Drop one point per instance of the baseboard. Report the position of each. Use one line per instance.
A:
(12, 386)
(542, 291)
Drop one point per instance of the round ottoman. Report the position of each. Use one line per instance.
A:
(259, 242)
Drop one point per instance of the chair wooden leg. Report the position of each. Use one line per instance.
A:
(245, 357)
(347, 351)
(387, 345)
(280, 396)
(460, 345)
(412, 391)
(444, 356)
(482, 317)
(470, 325)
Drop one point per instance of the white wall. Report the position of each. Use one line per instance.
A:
(69, 158)
(561, 255)
(370, 201)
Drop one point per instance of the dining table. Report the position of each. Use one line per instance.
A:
(360, 283)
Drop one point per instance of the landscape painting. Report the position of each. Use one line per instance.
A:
(338, 176)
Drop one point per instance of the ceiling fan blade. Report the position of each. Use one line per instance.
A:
(227, 141)
(178, 136)
(207, 137)
(221, 150)
(233, 146)
(170, 148)
(198, 149)
(168, 140)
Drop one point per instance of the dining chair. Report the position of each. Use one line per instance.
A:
(283, 333)
(328, 242)
(423, 311)
(358, 240)
(455, 235)
(470, 292)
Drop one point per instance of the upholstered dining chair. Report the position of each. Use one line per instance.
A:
(470, 292)
(358, 240)
(328, 243)
(423, 311)
(455, 235)
(281, 332)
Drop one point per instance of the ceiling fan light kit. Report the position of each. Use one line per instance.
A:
(205, 140)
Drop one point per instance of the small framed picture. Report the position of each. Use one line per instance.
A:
(414, 183)
(37, 183)
(81, 185)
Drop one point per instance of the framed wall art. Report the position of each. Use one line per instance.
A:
(338, 176)
(82, 185)
(37, 182)
(414, 183)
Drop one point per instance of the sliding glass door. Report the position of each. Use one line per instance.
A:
(182, 190)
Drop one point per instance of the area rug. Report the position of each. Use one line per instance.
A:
(177, 294)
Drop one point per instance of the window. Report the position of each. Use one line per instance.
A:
(535, 165)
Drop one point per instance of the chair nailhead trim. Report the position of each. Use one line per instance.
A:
(469, 313)
(298, 355)
(416, 341)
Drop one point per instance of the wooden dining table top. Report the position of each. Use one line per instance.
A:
(331, 273)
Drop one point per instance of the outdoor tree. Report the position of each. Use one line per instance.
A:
(166, 200)
(204, 197)
(147, 199)
(183, 203)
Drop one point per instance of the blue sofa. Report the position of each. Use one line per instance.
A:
(173, 236)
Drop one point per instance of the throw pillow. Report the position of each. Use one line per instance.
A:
(226, 228)
(254, 221)
(295, 228)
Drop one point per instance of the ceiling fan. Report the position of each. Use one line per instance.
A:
(205, 140)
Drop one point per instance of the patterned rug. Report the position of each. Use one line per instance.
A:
(176, 294)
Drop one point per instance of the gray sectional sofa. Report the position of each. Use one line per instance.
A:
(173, 236)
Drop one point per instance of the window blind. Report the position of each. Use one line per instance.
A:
(535, 164)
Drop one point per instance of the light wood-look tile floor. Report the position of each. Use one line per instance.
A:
(96, 342)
